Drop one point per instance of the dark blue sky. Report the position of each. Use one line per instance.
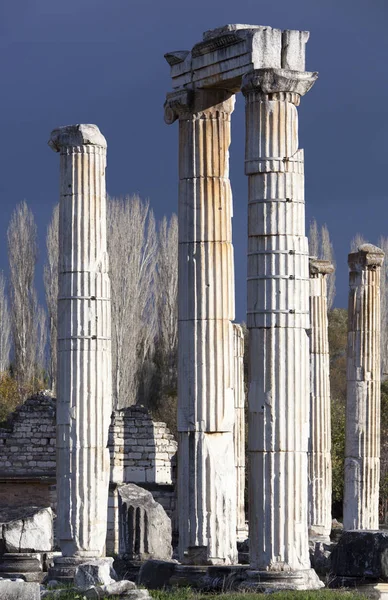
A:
(101, 61)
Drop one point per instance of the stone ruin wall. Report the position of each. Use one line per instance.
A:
(142, 452)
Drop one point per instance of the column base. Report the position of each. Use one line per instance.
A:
(25, 565)
(267, 581)
(64, 568)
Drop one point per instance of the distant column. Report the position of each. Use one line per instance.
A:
(278, 320)
(239, 430)
(362, 445)
(84, 387)
(319, 485)
(206, 467)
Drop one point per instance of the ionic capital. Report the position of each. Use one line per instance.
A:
(320, 267)
(71, 136)
(279, 81)
(187, 103)
(367, 256)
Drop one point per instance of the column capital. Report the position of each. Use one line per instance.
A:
(275, 81)
(367, 256)
(71, 136)
(320, 267)
(187, 102)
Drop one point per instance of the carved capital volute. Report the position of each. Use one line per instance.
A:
(319, 267)
(368, 256)
(188, 103)
(278, 81)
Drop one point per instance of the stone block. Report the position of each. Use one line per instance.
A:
(362, 554)
(18, 590)
(145, 528)
(94, 572)
(26, 529)
(156, 574)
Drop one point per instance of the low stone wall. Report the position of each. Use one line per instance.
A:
(27, 443)
(142, 452)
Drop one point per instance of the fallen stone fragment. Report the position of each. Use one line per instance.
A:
(145, 527)
(95, 572)
(156, 574)
(361, 554)
(17, 590)
(26, 529)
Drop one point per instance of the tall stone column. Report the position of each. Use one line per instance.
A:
(277, 318)
(206, 467)
(319, 459)
(84, 387)
(362, 444)
(239, 430)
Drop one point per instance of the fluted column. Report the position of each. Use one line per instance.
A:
(362, 444)
(239, 430)
(206, 468)
(84, 347)
(319, 458)
(277, 318)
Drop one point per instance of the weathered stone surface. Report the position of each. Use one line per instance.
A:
(17, 590)
(145, 528)
(156, 574)
(84, 342)
(126, 590)
(278, 320)
(319, 454)
(362, 440)
(94, 572)
(27, 529)
(227, 53)
(206, 411)
(361, 554)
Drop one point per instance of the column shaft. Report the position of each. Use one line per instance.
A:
(206, 472)
(319, 460)
(278, 317)
(84, 347)
(239, 430)
(362, 444)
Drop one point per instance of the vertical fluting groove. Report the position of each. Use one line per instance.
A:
(319, 457)
(362, 445)
(239, 429)
(84, 361)
(207, 510)
(278, 317)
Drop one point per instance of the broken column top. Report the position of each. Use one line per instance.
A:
(367, 255)
(320, 267)
(76, 135)
(227, 53)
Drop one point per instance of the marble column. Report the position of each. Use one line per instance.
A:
(278, 320)
(319, 457)
(84, 387)
(206, 467)
(239, 431)
(362, 443)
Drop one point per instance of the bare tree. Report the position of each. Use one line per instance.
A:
(50, 276)
(320, 246)
(5, 326)
(313, 237)
(132, 246)
(357, 241)
(167, 301)
(28, 330)
(327, 253)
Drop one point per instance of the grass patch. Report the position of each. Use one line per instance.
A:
(190, 594)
